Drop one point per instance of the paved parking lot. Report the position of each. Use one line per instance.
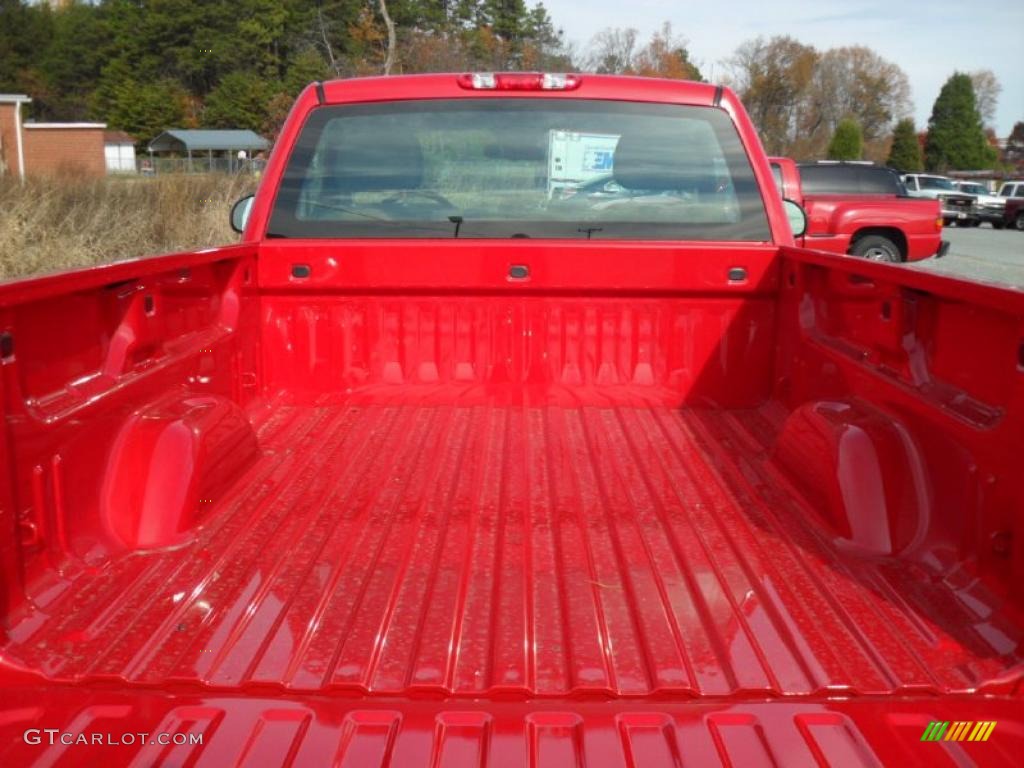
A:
(983, 254)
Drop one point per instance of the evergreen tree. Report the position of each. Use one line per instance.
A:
(508, 18)
(847, 142)
(240, 100)
(905, 154)
(304, 68)
(956, 140)
(71, 61)
(145, 109)
(25, 31)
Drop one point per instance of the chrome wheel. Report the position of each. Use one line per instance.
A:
(877, 248)
(878, 254)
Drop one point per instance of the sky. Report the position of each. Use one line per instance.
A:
(928, 39)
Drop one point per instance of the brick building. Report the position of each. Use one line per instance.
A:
(54, 148)
(41, 149)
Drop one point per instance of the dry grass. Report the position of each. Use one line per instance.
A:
(54, 224)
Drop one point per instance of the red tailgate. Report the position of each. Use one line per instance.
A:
(320, 731)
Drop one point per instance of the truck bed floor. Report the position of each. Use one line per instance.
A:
(469, 548)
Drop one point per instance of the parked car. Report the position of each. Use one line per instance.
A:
(957, 208)
(419, 472)
(1014, 188)
(987, 207)
(861, 209)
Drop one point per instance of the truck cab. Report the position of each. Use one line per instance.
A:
(1012, 189)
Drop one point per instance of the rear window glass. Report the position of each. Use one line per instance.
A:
(849, 180)
(555, 168)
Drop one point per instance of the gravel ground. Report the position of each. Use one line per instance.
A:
(983, 254)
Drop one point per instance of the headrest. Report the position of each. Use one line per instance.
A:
(661, 160)
(369, 156)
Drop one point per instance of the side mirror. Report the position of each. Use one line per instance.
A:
(240, 213)
(796, 215)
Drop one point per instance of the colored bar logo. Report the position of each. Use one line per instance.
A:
(959, 731)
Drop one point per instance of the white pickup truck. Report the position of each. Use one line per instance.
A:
(987, 207)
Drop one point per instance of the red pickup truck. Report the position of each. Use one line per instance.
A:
(427, 470)
(861, 210)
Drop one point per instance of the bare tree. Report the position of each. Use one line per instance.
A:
(986, 94)
(772, 77)
(328, 48)
(856, 82)
(389, 61)
(614, 51)
(665, 55)
(611, 51)
(797, 96)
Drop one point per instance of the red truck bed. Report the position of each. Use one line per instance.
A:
(462, 502)
(622, 547)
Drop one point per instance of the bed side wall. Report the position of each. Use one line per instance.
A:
(931, 370)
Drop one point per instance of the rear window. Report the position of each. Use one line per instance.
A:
(849, 180)
(486, 168)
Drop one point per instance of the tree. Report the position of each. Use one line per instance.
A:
(856, 82)
(665, 55)
(955, 137)
(507, 18)
(614, 51)
(256, 45)
(145, 109)
(25, 31)
(240, 101)
(304, 68)
(389, 60)
(847, 142)
(72, 61)
(797, 96)
(905, 154)
(611, 51)
(772, 77)
(986, 94)
(367, 45)
(79, 59)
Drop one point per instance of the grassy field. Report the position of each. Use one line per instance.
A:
(49, 225)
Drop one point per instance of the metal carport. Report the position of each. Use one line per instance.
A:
(209, 141)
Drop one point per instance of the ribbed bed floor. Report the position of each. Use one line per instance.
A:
(543, 550)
